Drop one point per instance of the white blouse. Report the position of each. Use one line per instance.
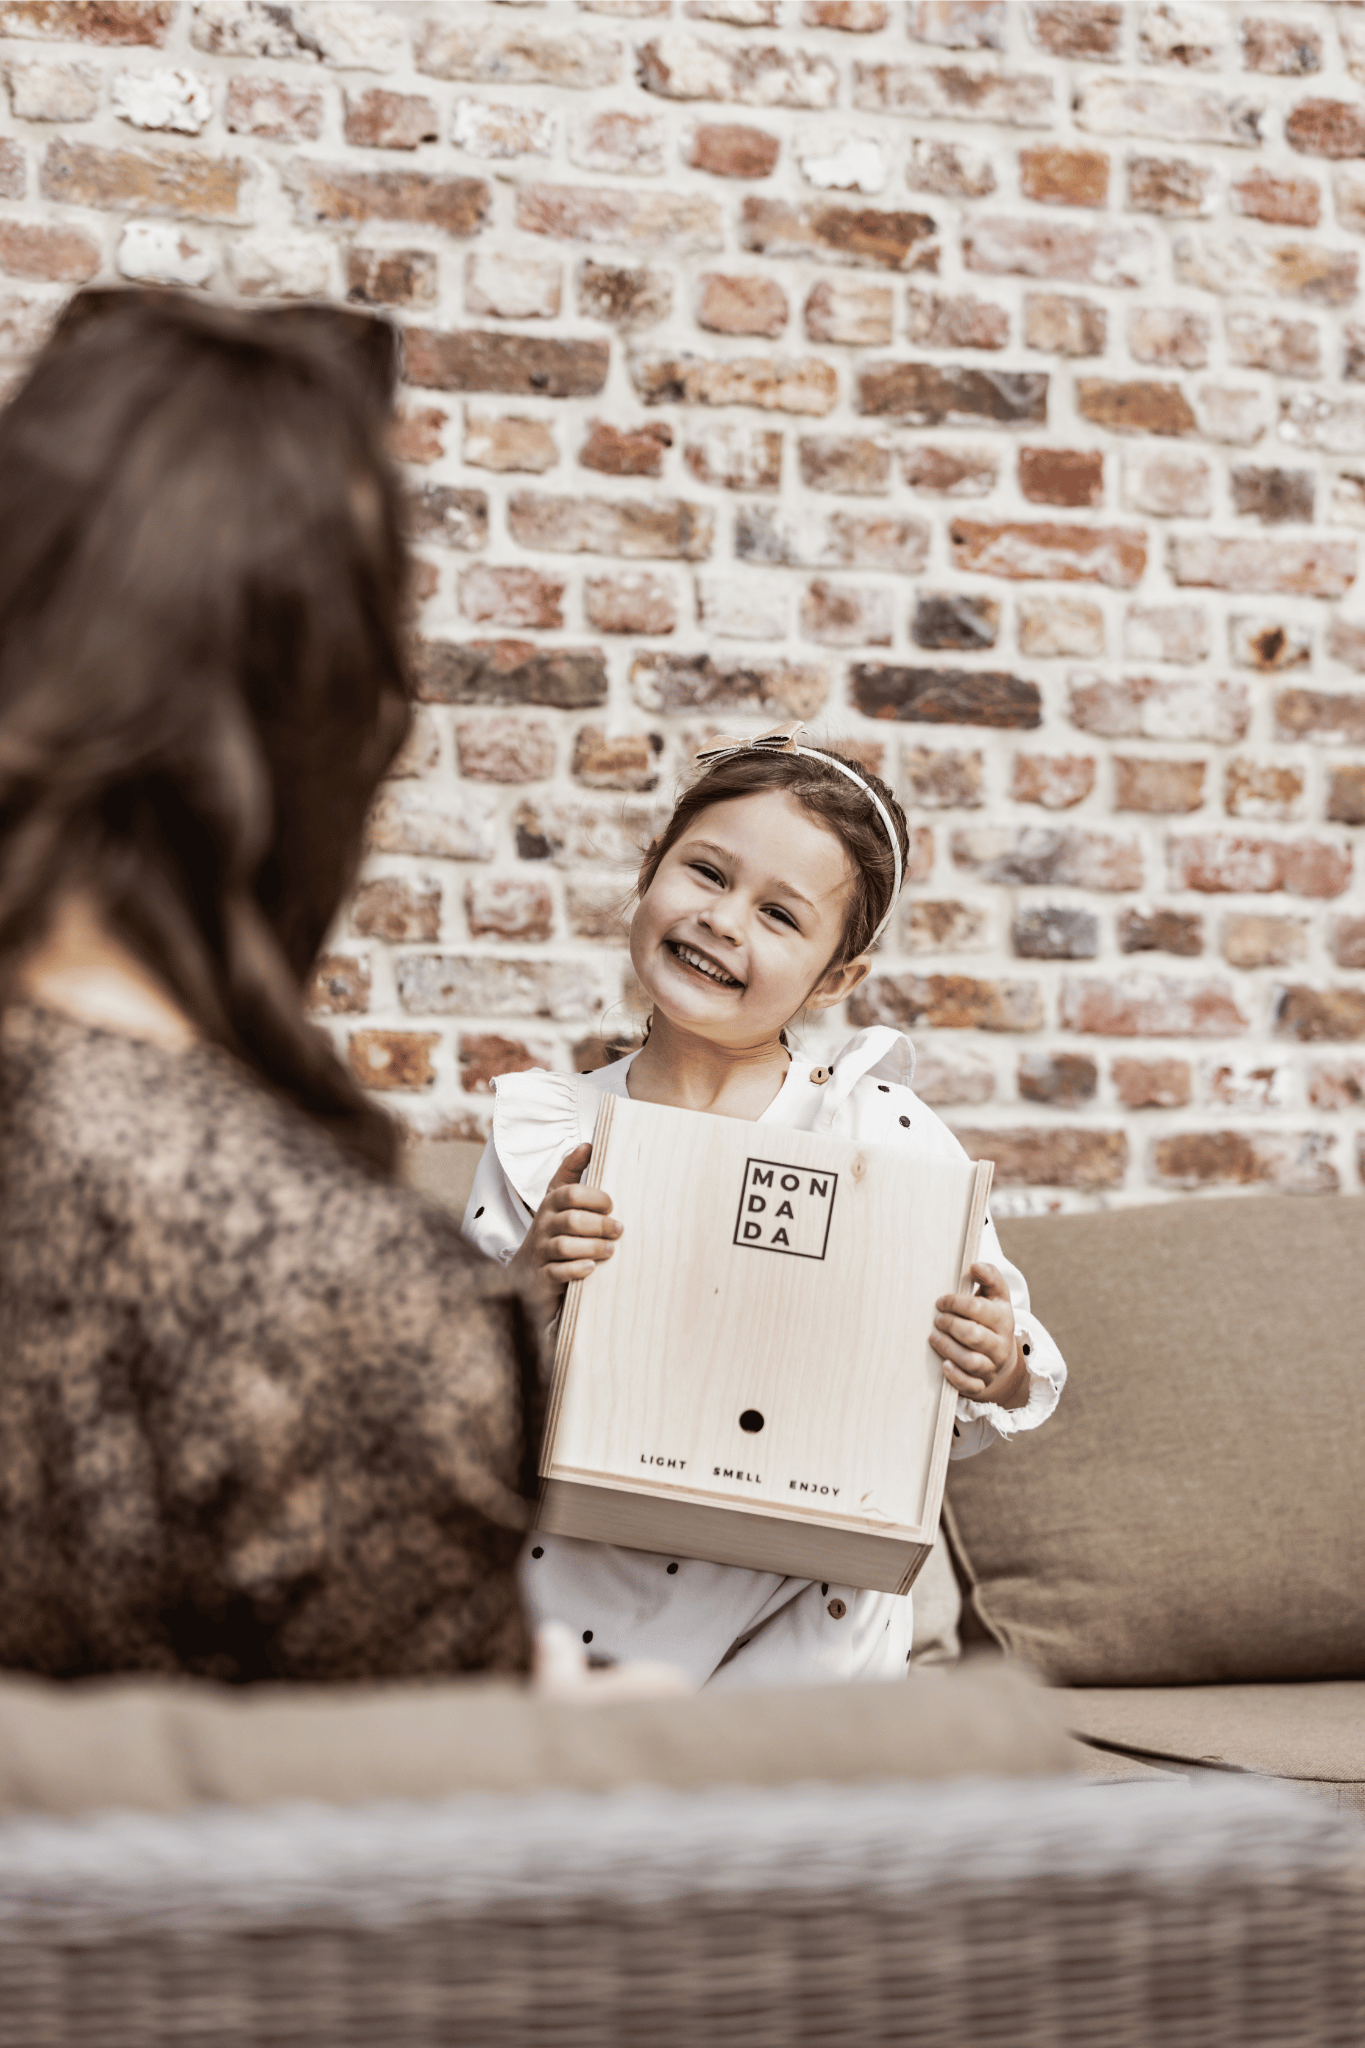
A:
(724, 1625)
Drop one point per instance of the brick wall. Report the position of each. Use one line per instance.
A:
(980, 382)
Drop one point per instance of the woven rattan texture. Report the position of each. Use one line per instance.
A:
(1039, 1914)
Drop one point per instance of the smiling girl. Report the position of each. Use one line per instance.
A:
(760, 902)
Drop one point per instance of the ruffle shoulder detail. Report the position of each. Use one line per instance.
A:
(538, 1117)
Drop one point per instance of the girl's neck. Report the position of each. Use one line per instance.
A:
(679, 1069)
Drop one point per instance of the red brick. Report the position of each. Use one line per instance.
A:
(14, 175)
(851, 311)
(452, 518)
(626, 451)
(949, 168)
(951, 92)
(1292, 202)
(415, 434)
(940, 321)
(625, 296)
(944, 696)
(335, 192)
(1143, 1005)
(849, 463)
(424, 576)
(771, 383)
(1252, 939)
(484, 1055)
(955, 618)
(671, 683)
(1161, 931)
(1064, 327)
(154, 181)
(1151, 1084)
(735, 458)
(1166, 632)
(948, 927)
(1064, 177)
(1056, 781)
(1307, 568)
(638, 602)
(846, 614)
(274, 108)
(1169, 335)
(1313, 1015)
(599, 907)
(728, 149)
(391, 277)
(1193, 37)
(1346, 642)
(1054, 931)
(681, 222)
(1152, 708)
(1157, 785)
(620, 761)
(845, 234)
(944, 778)
(933, 395)
(1050, 1158)
(1289, 348)
(1051, 626)
(741, 305)
(511, 597)
(1089, 29)
(509, 672)
(947, 1074)
(116, 22)
(526, 364)
(424, 818)
(1236, 265)
(1173, 486)
(1070, 251)
(1064, 1080)
(947, 1002)
(480, 985)
(834, 540)
(510, 443)
(854, 17)
(1332, 128)
(497, 132)
(1273, 495)
(632, 527)
(1018, 550)
(1339, 1084)
(1295, 1162)
(1035, 856)
(1062, 476)
(505, 750)
(57, 254)
(615, 140)
(950, 472)
(1135, 408)
(958, 24)
(1262, 789)
(1217, 861)
(390, 120)
(508, 907)
(1168, 112)
(524, 52)
(1171, 186)
(393, 1059)
(684, 67)
(1289, 49)
(1345, 792)
(396, 907)
(1348, 941)
(339, 985)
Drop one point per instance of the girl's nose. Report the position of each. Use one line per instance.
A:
(722, 918)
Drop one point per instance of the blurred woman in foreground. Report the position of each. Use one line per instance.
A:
(261, 1413)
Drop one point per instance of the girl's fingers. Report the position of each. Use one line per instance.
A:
(975, 1365)
(578, 1250)
(972, 1335)
(571, 1166)
(582, 1223)
(996, 1317)
(571, 1196)
(991, 1281)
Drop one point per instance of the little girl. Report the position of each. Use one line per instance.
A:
(761, 900)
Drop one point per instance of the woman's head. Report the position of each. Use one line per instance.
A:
(777, 869)
(201, 682)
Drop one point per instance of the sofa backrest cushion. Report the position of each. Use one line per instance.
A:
(1192, 1513)
(162, 1744)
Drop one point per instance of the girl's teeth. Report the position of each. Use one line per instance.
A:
(704, 966)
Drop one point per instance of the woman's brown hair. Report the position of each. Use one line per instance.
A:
(827, 795)
(201, 675)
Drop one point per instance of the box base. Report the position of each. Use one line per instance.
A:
(762, 1543)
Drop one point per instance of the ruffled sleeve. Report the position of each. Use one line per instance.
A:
(538, 1117)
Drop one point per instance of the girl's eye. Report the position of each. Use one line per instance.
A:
(776, 910)
(703, 867)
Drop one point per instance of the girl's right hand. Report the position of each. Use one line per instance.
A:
(573, 1230)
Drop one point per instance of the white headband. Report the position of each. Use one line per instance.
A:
(786, 739)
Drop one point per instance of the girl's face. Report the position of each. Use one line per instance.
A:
(746, 910)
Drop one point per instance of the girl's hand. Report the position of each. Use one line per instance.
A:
(573, 1228)
(974, 1336)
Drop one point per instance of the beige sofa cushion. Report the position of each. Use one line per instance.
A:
(164, 1744)
(1192, 1512)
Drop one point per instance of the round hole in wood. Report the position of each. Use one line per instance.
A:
(751, 1420)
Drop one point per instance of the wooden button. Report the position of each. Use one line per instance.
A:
(837, 1610)
(819, 1075)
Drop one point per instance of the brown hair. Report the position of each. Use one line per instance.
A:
(827, 795)
(201, 678)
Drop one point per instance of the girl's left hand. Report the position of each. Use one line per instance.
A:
(974, 1336)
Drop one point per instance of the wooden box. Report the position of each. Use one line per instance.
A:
(748, 1379)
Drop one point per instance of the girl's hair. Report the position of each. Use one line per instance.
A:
(201, 676)
(828, 796)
